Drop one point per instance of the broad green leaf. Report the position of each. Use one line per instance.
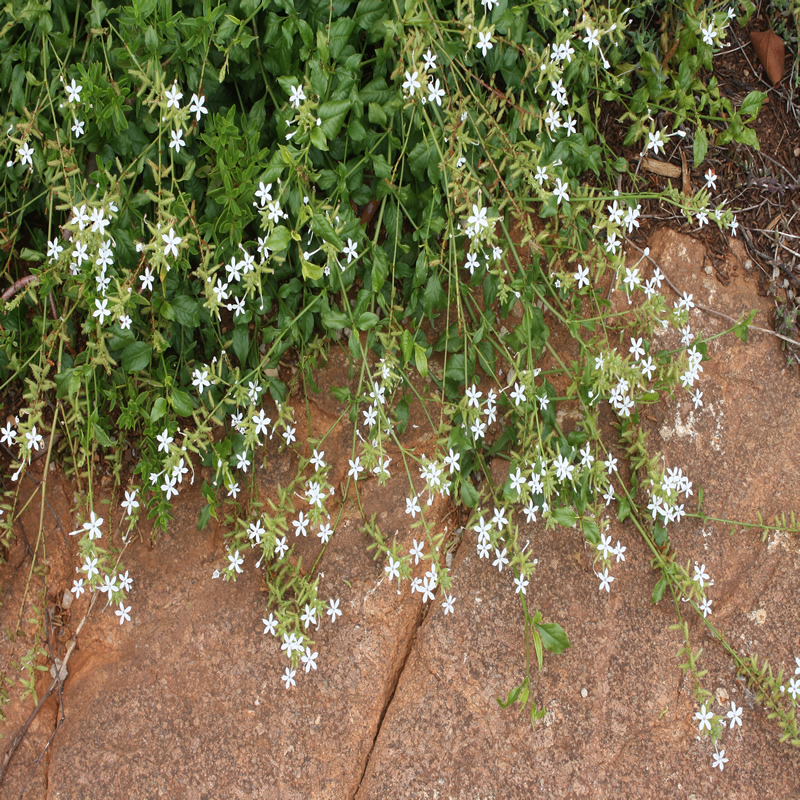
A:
(554, 638)
(159, 409)
(565, 516)
(136, 356)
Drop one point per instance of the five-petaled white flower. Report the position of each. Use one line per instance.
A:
(73, 91)
(412, 83)
(101, 310)
(261, 421)
(177, 140)
(147, 279)
(435, 92)
(333, 609)
(296, 96)
(130, 502)
(171, 242)
(288, 677)
(478, 219)
(704, 718)
(484, 42)
(173, 96)
(123, 613)
(351, 250)
(200, 379)
(561, 191)
(236, 560)
(197, 106)
(164, 441)
(655, 142)
(582, 276)
(500, 559)
(605, 580)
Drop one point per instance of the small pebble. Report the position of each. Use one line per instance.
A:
(584, 693)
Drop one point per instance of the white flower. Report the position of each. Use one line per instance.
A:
(709, 34)
(430, 61)
(130, 502)
(177, 140)
(582, 276)
(288, 677)
(197, 106)
(591, 40)
(200, 379)
(500, 559)
(518, 395)
(236, 561)
(655, 142)
(350, 250)
(411, 83)
(54, 249)
(719, 760)
(296, 96)
(478, 220)
(122, 613)
(711, 180)
(605, 580)
(173, 96)
(484, 42)
(147, 279)
(435, 92)
(101, 310)
(171, 242)
(412, 507)
(521, 585)
(77, 127)
(561, 191)
(73, 91)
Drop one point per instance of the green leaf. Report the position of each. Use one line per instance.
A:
(741, 327)
(26, 254)
(403, 415)
(279, 239)
(421, 360)
(101, 436)
(181, 402)
(658, 589)
(660, 535)
(623, 510)
(369, 12)
(367, 320)
(591, 531)
(469, 494)
(159, 409)
(334, 320)
(241, 342)
(700, 147)
(380, 268)
(186, 311)
(554, 638)
(565, 516)
(136, 356)
(751, 105)
(323, 228)
(332, 114)
(340, 32)
(376, 115)
(511, 697)
(407, 346)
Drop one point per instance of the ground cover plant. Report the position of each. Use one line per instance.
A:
(195, 195)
